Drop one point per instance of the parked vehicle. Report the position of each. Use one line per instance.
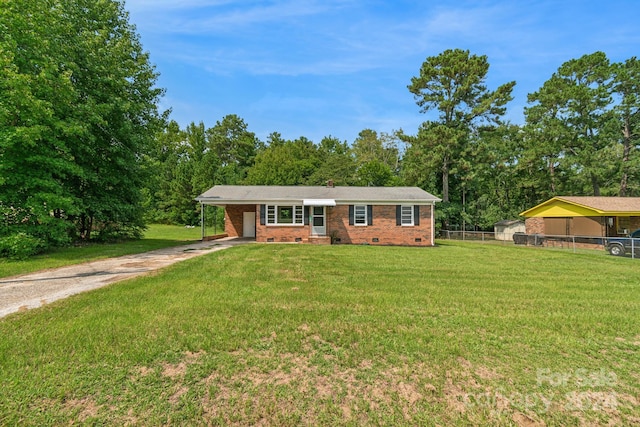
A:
(620, 246)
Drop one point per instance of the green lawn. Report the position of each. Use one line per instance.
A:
(155, 237)
(460, 334)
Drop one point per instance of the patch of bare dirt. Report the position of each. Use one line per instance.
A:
(298, 378)
(179, 369)
(175, 397)
(523, 420)
(455, 396)
(174, 370)
(143, 371)
(487, 373)
(304, 328)
(87, 408)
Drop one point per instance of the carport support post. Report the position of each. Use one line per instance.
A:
(202, 220)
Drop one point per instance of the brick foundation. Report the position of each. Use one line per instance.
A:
(282, 233)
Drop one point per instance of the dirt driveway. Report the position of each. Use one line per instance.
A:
(33, 290)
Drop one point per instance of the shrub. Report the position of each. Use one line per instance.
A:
(112, 232)
(20, 246)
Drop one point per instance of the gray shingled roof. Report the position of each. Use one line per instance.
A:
(257, 194)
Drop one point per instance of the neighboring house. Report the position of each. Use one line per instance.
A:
(504, 230)
(306, 214)
(584, 216)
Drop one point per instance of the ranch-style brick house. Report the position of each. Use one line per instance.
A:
(324, 215)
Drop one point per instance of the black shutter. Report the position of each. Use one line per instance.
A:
(306, 215)
(351, 219)
(263, 214)
(416, 215)
(398, 215)
(369, 214)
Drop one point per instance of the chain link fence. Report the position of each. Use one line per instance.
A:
(618, 246)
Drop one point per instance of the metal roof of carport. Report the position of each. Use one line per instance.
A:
(265, 194)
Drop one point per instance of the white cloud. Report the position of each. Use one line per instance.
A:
(210, 17)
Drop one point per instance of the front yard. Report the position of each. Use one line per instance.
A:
(459, 334)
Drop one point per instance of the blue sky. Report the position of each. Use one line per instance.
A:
(316, 68)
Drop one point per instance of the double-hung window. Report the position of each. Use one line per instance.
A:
(406, 215)
(285, 215)
(360, 215)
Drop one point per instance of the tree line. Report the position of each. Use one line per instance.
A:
(184, 163)
(580, 137)
(85, 153)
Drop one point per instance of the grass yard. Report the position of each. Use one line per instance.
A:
(461, 334)
(155, 237)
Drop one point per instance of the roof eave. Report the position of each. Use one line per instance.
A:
(220, 201)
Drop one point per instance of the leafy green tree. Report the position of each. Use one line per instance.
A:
(374, 173)
(335, 162)
(190, 161)
(575, 104)
(195, 171)
(547, 157)
(79, 110)
(285, 163)
(498, 188)
(452, 85)
(235, 148)
(36, 94)
(116, 101)
(626, 88)
(167, 151)
(429, 158)
(584, 123)
(368, 146)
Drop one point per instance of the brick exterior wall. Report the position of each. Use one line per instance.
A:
(233, 218)
(384, 227)
(534, 225)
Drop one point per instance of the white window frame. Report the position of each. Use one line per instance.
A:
(272, 215)
(406, 215)
(360, 215)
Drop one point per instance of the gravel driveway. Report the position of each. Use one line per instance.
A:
(19, 293)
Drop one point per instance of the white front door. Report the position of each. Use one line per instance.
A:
(318, 221)
(248, 224)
